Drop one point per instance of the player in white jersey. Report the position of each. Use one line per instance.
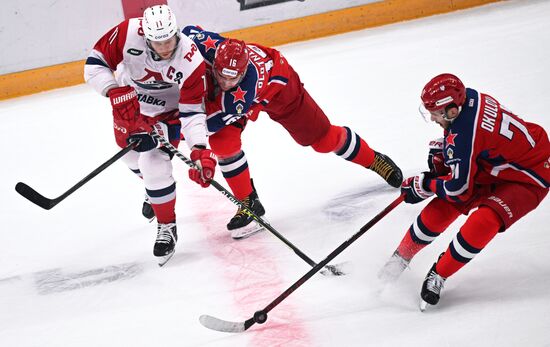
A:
(154, 78)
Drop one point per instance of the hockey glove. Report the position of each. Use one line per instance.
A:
(126, 112)
(414, 190)
(436, 160)
(144, 142)
(205, 161)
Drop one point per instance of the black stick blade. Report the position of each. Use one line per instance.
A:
(34, 196)
(217, 324)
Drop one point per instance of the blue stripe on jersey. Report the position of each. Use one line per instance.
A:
(530, 172)
(174, 131)
(188, 114)
(279, 79)
(96, 61)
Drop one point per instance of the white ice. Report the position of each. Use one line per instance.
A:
(83, 273)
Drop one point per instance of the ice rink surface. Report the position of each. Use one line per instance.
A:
(83, 273)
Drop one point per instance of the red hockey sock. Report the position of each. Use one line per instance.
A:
(353, 148)
(240, 184)
(165, 212)
(365, 156)
(478, 230)
(408, 248)
(431, 222)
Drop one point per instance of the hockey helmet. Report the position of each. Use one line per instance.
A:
(159, 23)
(441, 91)
(231, 59)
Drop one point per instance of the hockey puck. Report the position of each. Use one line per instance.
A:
(260, 317)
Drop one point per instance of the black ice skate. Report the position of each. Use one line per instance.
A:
(387, 169)
(242, 225)
(431, 288)
(165, 243)
(147, 210)
(393, 268)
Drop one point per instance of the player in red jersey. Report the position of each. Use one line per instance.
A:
(159, 82)
(248, 78)
(490, 165)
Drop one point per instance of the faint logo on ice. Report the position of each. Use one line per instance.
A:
(349, 206)
(58, 280)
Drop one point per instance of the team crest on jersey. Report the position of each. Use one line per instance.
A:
(209, 43)
(450, 139)
(238, 95)
(239, 108)
(450, 153)
(153, 85)
(200, 36)
(134, 51)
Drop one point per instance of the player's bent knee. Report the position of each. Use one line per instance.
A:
(226, 143)
(156, 168)
(231, 158)
(486, 219)
(331, 141)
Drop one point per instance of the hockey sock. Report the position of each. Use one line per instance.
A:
(165, 212)
(431, 222)
(478, 230)
(236, 173)
(137, 172)
(163, 202)
(355, 149)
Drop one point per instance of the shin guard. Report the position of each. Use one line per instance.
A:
(480, 228)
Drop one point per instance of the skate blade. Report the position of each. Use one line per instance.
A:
(246, 231)
(164, 259)
(423, 305)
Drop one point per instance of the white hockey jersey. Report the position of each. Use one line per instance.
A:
(121, 57)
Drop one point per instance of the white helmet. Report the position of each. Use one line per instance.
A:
(159, 23)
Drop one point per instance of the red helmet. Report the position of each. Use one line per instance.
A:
(231, 58)
(443, 90)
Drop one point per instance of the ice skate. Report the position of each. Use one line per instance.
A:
(165, 243)
(147, 210)
(242, 225)
(393, 268)
(387, 169)
(431, 289)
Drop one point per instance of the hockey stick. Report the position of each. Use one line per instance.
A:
(46, 203)
(329, 269)
(260, 316)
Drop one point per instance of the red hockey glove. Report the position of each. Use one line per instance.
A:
(436, 160)
(206, 163)
(125, 112)
(414, 190)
